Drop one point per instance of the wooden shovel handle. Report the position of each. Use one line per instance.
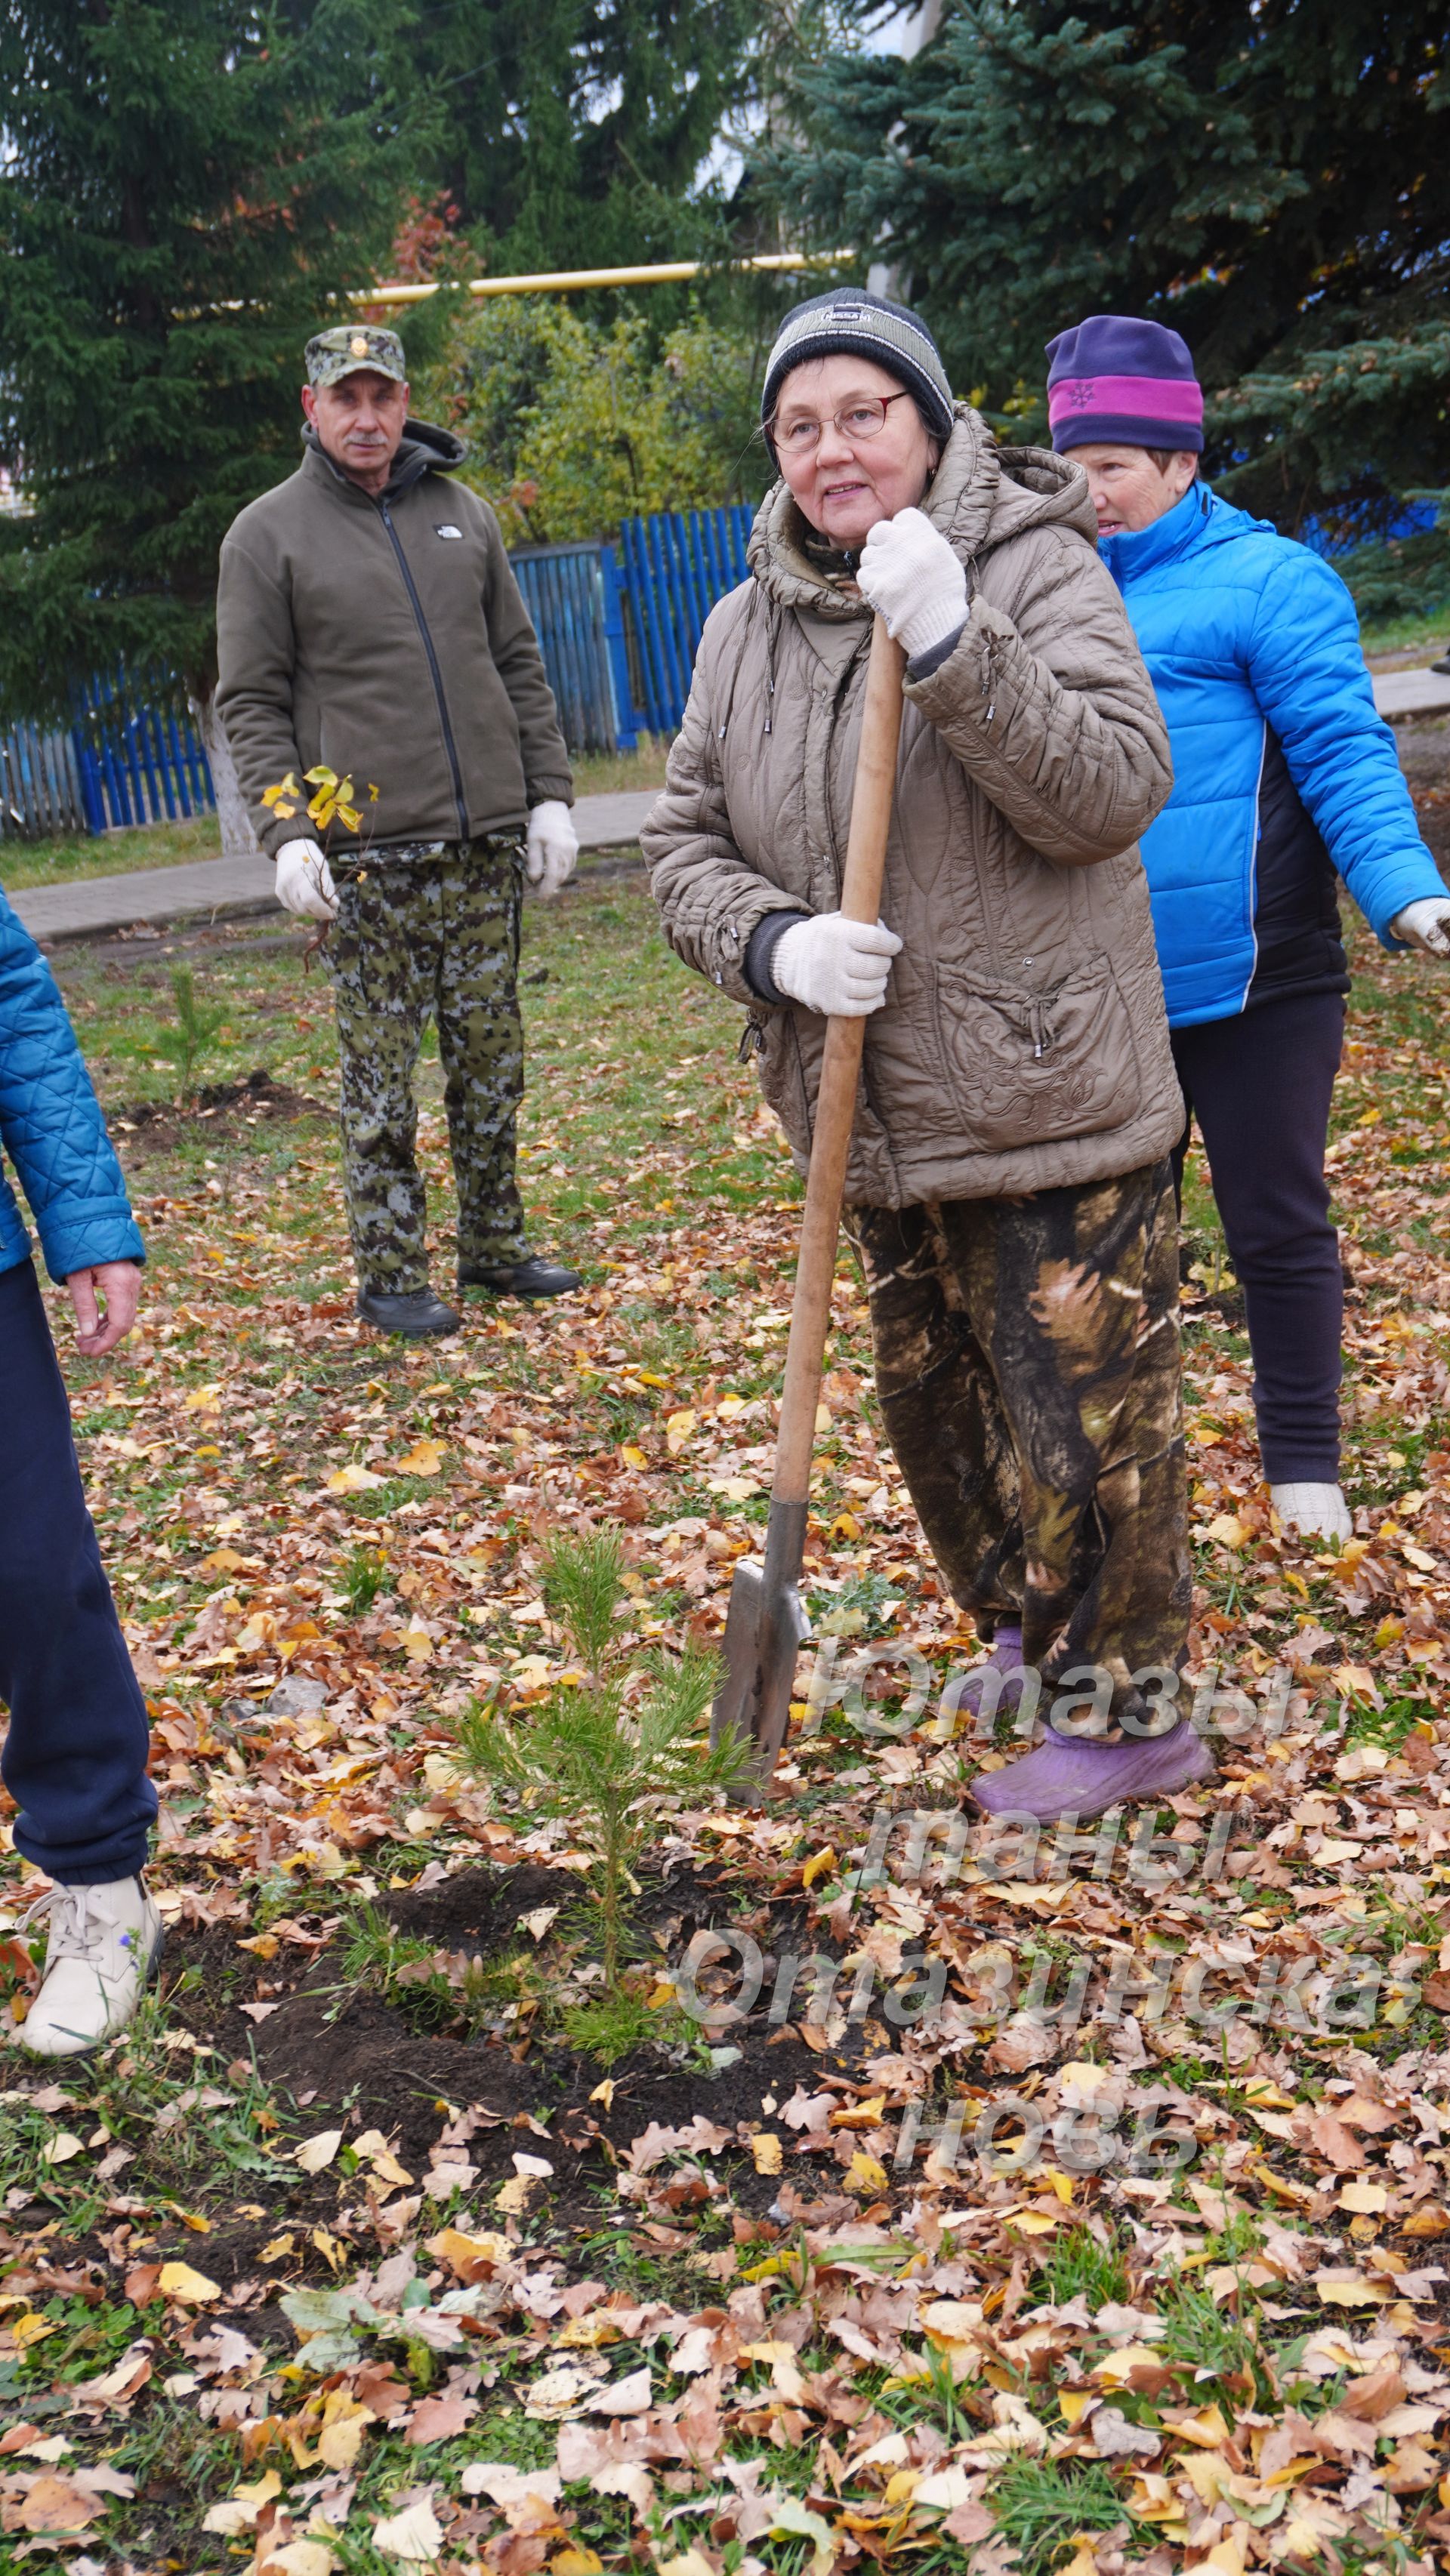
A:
(840, 1073)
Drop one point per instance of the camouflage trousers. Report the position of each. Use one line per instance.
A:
(1027, 1365)
(434, 933)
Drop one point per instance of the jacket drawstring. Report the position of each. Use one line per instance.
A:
(724, 725)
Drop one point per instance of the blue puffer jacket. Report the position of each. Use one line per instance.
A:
(1283, 772)
(51, 1125)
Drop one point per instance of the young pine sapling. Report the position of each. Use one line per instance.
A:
(186, 1039)
(605, 1755)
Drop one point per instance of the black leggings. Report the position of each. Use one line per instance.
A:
(1260, 1088)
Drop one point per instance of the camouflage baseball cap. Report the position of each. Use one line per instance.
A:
(352, 347)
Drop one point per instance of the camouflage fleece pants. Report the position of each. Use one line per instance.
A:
(437, 932)
(1027, 1364)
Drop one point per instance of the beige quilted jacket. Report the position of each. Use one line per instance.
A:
(1022, 1044)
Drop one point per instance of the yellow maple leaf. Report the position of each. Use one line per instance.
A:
(353, 1479)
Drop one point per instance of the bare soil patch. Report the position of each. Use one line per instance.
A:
(221, 1109)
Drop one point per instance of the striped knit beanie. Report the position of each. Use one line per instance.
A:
(1114, 382)
(850, 323)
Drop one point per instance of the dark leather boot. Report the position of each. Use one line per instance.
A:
(415, 1313)
(531, 1277)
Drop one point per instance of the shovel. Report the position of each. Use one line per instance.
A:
(767, 1621)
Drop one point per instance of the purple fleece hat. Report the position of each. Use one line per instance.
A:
(1119, 383)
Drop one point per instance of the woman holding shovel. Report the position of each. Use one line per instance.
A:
(1008, 1185)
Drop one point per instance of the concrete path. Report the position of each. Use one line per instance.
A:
(1398, 694)
(221, 889)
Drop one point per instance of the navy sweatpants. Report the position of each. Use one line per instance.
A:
(75, 1757)
(1260, 1088)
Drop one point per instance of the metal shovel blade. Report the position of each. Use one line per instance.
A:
(764, 1628)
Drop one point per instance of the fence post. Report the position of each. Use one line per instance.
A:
(626, 715)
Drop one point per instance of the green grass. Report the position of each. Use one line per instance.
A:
(1408, 635)
(604, 773)
(143, 2094)
(636, 1114)
(364, 1576)
(1077, 2266)
(107, 854)
(1041, 2504)
(1212, 2342)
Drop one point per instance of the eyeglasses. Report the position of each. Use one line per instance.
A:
(864, 418)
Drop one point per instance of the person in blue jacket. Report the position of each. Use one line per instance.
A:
(75, 1755)
(1284, 776)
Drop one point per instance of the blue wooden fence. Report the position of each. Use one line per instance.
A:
(572, 593)
(137, 753)
(676, 565)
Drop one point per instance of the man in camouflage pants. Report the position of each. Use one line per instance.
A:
(370, 627)
(431, 931)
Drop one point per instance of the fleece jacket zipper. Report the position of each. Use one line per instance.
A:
(443, 717)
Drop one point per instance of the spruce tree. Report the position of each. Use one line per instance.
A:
(571, 131)
(1268, 176)
(190, 187)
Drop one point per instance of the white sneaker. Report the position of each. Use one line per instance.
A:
(101, 1945)
(1315, 1511)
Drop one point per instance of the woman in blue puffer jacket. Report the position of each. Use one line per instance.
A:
(75, 1755)
(1283, 775)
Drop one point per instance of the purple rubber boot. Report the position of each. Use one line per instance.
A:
(1073, 1775)
(997, 1683)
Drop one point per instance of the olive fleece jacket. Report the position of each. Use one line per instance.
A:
(386, 639)
(1023, 1043)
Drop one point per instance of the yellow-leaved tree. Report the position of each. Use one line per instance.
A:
(574, 425)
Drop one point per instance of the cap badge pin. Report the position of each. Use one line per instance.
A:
(359, 346)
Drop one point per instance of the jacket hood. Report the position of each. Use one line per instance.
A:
(980, 495)
(425, 450)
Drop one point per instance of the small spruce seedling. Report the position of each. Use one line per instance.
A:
(605, 1755)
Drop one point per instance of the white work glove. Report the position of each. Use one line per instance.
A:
(1425, 924)
(552, 848)
(835, 966)
(304, 881)
(912, 579)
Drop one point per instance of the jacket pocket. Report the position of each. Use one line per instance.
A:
(1031, 1068)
